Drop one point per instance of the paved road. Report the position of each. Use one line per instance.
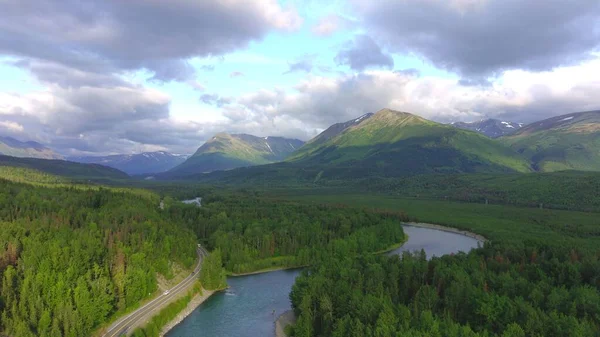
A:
(122, 326)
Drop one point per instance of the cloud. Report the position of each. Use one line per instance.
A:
(236, 74)
(11, 127)
(410, 71)
(66, 117)
(196, 85)
(330, 24)
(67, 77)
(83, 53)
(363, 53)
(134, 119)
(479, 38)
(303, 64)
(113, 36)
(521, 96)
(216, 100)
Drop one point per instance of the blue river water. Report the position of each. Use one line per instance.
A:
(251, 305)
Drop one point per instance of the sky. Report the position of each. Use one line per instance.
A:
(102, 77)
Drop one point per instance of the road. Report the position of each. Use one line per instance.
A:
(122, 326)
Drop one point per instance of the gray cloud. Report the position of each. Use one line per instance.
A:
(83, 53)
(363, 53)
(236, 74)
(303, 64)
(67, 77)
(216, 100)
(135, 119)
(70, 118)
(482, 38)
(113, 35)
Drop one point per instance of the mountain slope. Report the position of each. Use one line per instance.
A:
(12, 147)
(225, 151)
(142, 163)
(64, 168)
(492, 128)
(335, 130)
(567, 142)
(392, 143)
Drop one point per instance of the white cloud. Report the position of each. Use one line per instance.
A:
(520, 95)
(11, 126)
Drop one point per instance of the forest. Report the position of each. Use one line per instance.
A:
(254, 233)
(492, 291)
(77, 256)
(508, 289)
(71, 258)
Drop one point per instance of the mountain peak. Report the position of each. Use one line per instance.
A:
(15, 148)
(396, 143)
(388, 111)
(226, 151)
(490, 127)
(567, 142)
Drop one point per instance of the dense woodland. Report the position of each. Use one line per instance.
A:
(254, 233)
(515, 291)
(71, 258)
(74, 256)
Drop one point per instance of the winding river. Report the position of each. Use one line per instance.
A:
(252, 303)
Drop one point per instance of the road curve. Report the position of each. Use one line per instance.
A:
(122, 326)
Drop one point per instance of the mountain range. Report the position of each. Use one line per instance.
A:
(227, 151)
(387, 143)
(567, 142)
(135, 164)
(15, 148)
(492, 128)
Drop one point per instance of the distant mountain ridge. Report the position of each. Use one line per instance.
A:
(492, 128)
(386, 144)
(227, 151)
(566, 142)
(64, 168)
(390, 143)
(15, 148)
(134, 164)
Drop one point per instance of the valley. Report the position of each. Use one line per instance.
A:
(272, 205)
(346, 168)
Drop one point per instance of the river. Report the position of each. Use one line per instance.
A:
(246, 308)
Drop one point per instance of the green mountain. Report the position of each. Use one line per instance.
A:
(393, 143)
(226, 151)
(64, 168)
(568, 142)
(12, 147)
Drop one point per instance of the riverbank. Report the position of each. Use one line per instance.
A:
(191, 306)
(475, 236)
(266, 270)
(285, 319)
(393, 247)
